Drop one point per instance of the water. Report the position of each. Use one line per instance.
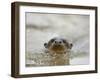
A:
(40, 28)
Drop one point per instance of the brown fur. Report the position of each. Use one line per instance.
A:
(59, 49)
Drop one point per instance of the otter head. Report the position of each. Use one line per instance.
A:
(58, 45)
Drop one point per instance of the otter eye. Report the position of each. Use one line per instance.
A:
(64, 41)
(60, 42)
(52, 40)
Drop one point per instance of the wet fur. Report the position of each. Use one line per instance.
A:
(59, 48)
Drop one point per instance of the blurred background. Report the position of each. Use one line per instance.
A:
(41, 27)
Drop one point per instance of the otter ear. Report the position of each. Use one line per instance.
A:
(45, 45)
(70, 45)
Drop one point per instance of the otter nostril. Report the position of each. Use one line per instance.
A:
(55, 41)
(60, 42)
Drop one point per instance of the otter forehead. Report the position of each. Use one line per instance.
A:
(57, 39)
